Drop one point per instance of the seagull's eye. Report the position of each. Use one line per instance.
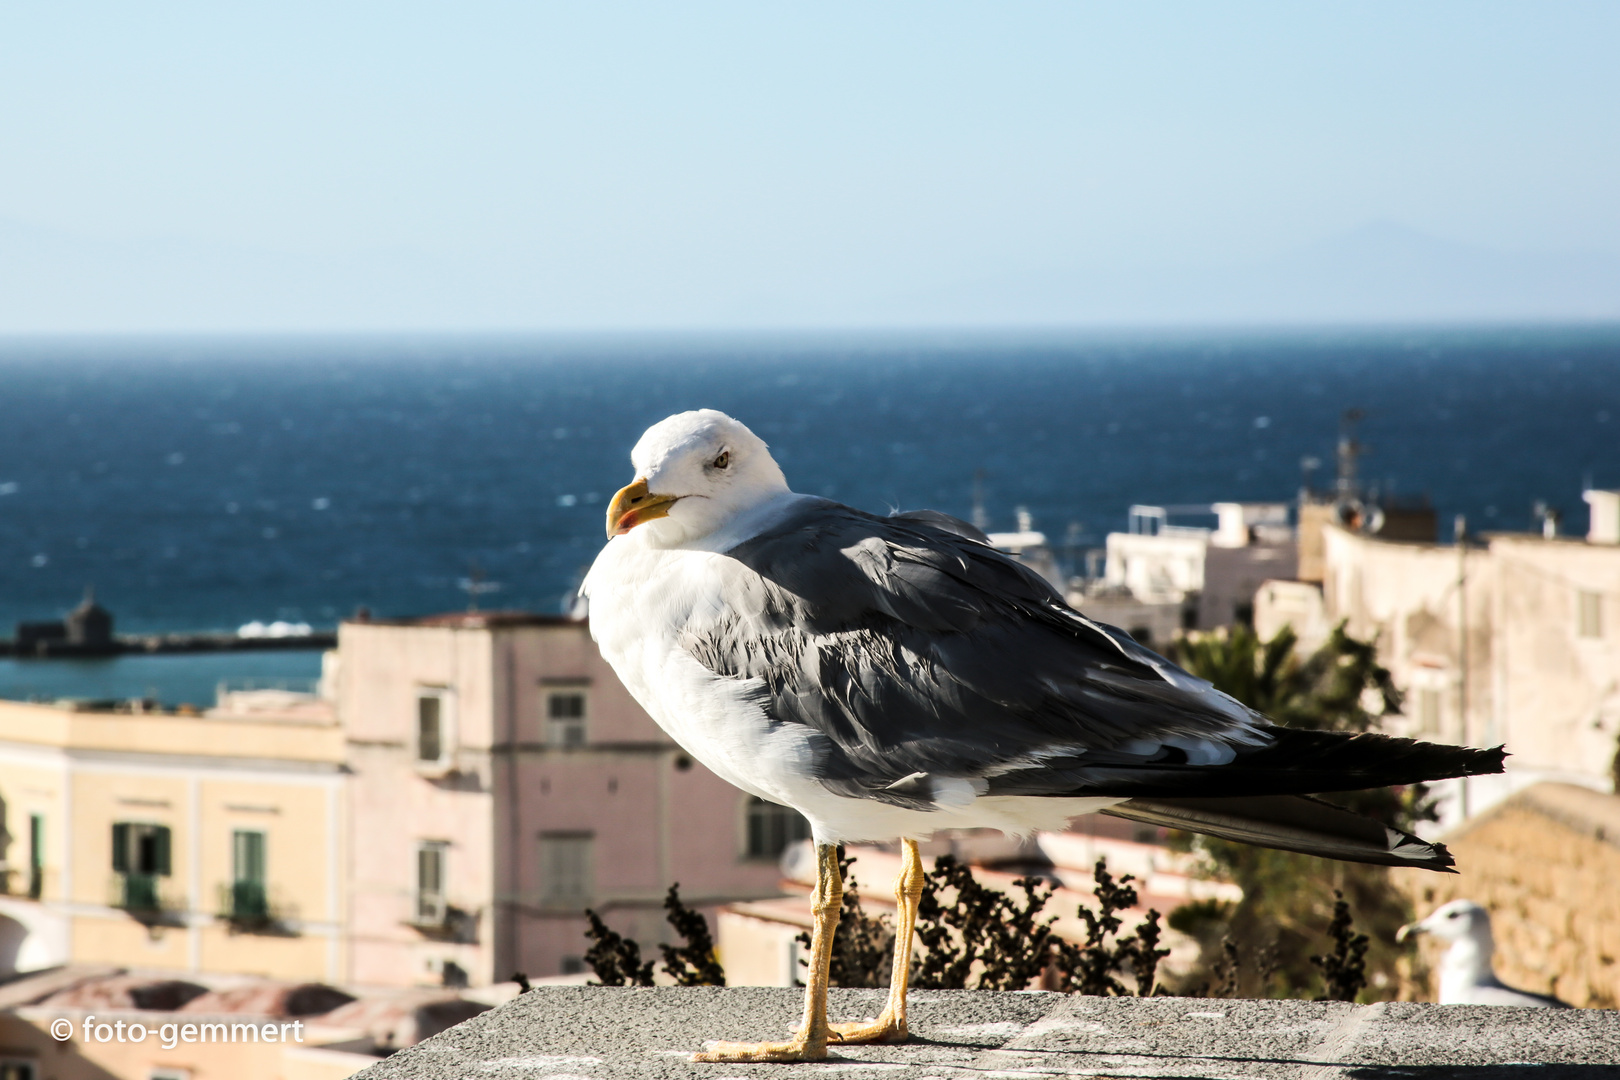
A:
(723, 460)
(1454, 915)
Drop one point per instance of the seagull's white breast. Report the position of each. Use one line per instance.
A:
(641, 599)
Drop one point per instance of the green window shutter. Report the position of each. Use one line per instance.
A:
(120, 844)
(248, 845)
(160, 846)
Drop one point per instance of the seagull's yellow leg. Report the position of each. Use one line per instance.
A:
(890, 1026)
(810, 1043)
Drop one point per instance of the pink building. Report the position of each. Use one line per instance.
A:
(502, 781)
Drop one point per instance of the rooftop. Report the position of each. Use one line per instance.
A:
(472, 620)
(365, 1023)
(603, 1033)
(271, 726)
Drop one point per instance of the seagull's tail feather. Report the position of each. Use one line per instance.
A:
(1296, 761)
(1370, 759)
(1291, 823)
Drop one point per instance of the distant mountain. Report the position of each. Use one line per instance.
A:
(53, 281)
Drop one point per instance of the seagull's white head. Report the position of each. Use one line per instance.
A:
(695, 472)
(1460, 920)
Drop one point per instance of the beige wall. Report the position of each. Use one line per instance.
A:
(1534, 681)
(203, 778)
(1559, 691)
(1412, 598)
(168, 733)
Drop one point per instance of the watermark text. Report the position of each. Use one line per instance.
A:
(171, 1035)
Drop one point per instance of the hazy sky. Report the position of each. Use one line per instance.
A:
(610, 164)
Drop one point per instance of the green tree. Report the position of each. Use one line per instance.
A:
(1262, 946)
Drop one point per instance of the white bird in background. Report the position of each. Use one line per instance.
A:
(889, 677)
(1466, 974)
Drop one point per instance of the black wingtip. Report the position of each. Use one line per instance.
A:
(1414, 851)
(1292, 823)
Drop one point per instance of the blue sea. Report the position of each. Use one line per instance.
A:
(203, 483)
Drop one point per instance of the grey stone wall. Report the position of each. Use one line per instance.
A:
(606, 1033)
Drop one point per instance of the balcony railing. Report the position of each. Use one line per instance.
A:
(248, 907)
(445, 922)
(26, 883)
(141, 895)
(248, 901)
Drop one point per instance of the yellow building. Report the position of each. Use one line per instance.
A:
(193, 842)
(440, 814)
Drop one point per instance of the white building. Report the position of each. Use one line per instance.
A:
(1208, 574)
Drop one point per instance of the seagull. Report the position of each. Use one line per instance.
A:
(1466, 974)
(890, 677)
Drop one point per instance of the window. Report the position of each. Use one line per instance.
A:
(1589, 614)
(430, 906)
(247, 875)
(140, 854)
(565, 868)
(565, 718)
(772, 827)
(139, 848)
(1428, 711)
(36, 856)
(17, 1069)
(433, 726)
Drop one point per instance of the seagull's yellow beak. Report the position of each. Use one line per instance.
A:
(634, 505)
(1410, 930)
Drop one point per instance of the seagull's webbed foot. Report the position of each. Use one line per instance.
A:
(885, 1029)
(797, 1048)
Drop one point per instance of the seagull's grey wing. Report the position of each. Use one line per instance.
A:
(916, 649)
(921, 655)
(941, 521)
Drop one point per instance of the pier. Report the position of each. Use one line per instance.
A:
(86, 632)
(124, 644)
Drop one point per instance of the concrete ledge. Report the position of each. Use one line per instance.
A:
(606, 1033)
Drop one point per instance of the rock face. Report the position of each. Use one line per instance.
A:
(607, 1033)
(1545, 864)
